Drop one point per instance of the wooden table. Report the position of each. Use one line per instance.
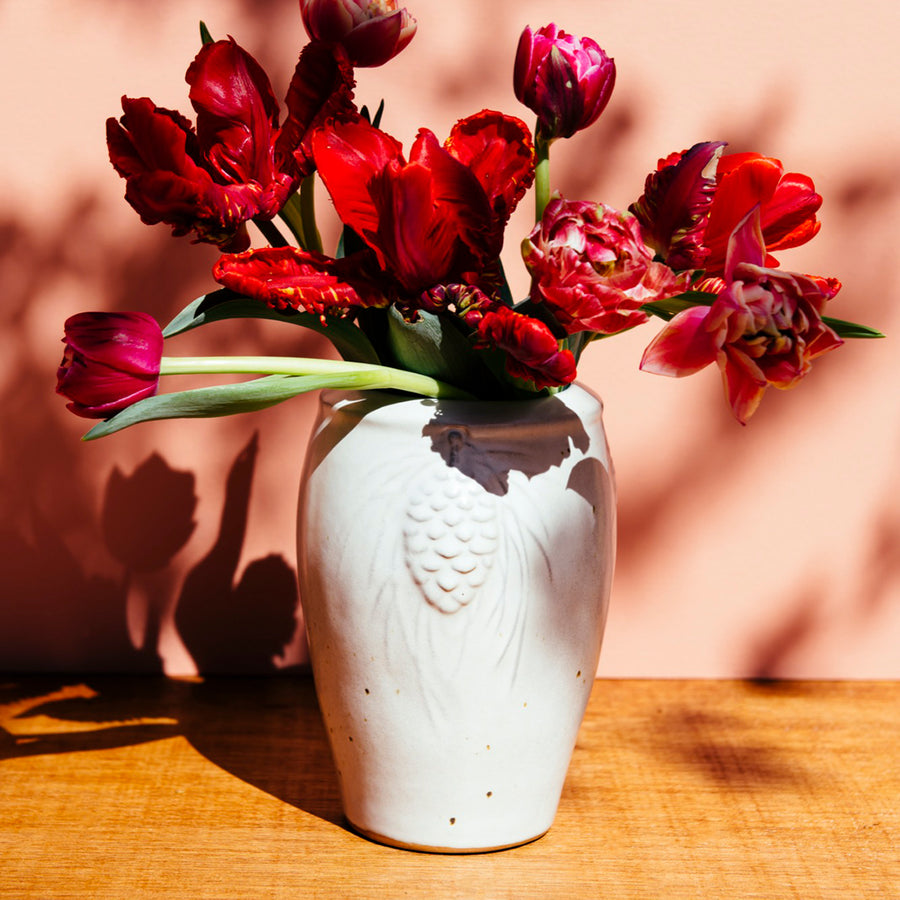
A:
(149, 787)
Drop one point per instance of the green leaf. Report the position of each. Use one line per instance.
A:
(292, 216)
(505, 293)
(229, 399)
(666, 309)
(205, 36)
(376, 122)
(217, 306)
(433, 346)
(851, 329)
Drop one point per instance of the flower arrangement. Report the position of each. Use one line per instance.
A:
(414, 297)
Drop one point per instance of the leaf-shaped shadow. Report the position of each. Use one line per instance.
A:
(545, 433)
(237, 628)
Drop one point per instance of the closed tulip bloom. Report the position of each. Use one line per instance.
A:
(566, 81)
(111, 360)
(371, 31)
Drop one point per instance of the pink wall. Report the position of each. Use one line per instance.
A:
(767, 550)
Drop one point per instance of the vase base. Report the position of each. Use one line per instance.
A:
(427, 848)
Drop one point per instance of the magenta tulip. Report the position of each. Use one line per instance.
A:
(111, 360)
(371, 31)
(566, 81)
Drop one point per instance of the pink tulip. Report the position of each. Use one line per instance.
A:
(371, 31)
(764, 328)
(111, 360)
(566, 81)
(591, 267)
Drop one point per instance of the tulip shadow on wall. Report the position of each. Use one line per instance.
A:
(225, 626)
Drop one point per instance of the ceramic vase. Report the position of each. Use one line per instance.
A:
(455, 564)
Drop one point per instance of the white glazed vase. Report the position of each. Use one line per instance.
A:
(455, 566)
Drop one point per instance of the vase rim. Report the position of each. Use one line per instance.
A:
(332, 396)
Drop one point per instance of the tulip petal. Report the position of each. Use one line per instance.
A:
(289, 278)
(498, 149)
(790, 216)
(745, 244)
(348, 156)
(321, 90)
(684, 346)
(130, 342)
(743, 387)
(674, 207)
(237, 113)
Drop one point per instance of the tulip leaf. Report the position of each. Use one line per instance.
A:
(671, 306)
(433, 346)
(217, 306)
(229, 399)
(374, 122)
(851, 329)
(205, 36)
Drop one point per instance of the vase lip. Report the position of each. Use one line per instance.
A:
(576, 403)
(334, 396)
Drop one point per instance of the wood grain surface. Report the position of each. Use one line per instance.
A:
(224, 788)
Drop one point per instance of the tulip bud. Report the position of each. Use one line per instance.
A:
(371, 31)
(111, 360)
(566, 81)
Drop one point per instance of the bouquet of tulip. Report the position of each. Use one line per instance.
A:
(414, 297)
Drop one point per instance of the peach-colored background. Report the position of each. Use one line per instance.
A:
(770, 550)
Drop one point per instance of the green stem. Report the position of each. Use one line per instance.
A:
(541, 176)
(383, 377)
(292, 216)
(308, 213)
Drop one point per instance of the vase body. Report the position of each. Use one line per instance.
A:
(455, 565)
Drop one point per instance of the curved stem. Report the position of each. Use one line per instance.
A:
(291, 215)
(308, 213)
(380, 376)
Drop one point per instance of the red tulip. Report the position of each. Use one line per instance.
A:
(239, 164)
(111, 360)
(371, 31)
(532, 352)
(566, 81)
(438, 217)
(212, 181)
(764, 328)
(787, 202)
(674, 209)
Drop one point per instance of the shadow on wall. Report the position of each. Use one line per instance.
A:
(81, 590)
(50, 608)
(87, 592)
(650, 511)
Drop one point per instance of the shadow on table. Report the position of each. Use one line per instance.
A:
(266, 731)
